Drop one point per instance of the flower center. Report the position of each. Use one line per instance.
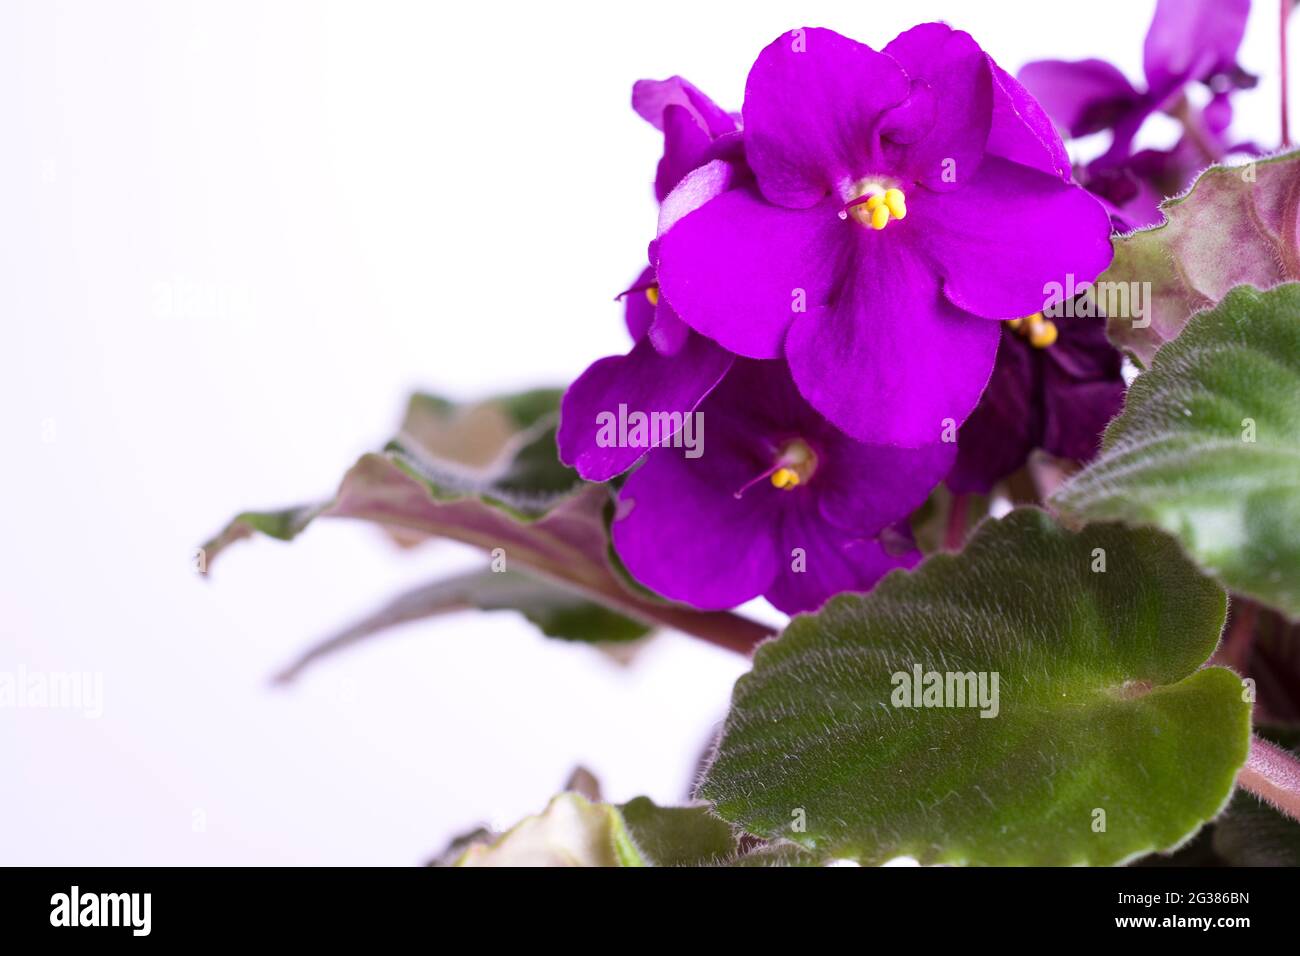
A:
(875, 204)
(652, 294)
(794, 466)
(1039, 331)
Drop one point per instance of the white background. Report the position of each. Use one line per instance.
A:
(350, 201)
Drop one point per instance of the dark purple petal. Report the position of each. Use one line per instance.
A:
(1083, 388)
(1077, 413)
(832, 564)
(737, 268)
(644, 381)
(890, 360)
(1006, 425)
(1009, 232)
(956, 78)
(813, 102)
(1082, 350)
(863, 488)
(1082, 96)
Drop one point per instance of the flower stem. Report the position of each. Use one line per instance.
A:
(955, 535)
(1273, 775)
(1286, 123)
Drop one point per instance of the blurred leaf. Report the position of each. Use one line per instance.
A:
(1101, 705)
(1236, 225)
(571, 831)
(556, 611)
(1208, 447)
(539, 515)
(575, 831)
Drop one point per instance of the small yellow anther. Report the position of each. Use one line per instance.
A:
(1015, 324)
(880, 217)
(652, 294)
(785, 478)
(896, 202)
(1042, 334)
(875, 202)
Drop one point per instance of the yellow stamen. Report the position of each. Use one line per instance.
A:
(896, 202)
(876, 204)
(1043, 334)
(785, 478)
(652, 294)
(1040, 332)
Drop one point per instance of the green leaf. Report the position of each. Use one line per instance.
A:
(678, 836)
(1236, 225)
(1208, 447)
(575, 831)
(523, 507)
(556, 611)
(1101, 705)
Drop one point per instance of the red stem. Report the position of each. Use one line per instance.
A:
(1286, 123)
(1272, 774)
(955, 534)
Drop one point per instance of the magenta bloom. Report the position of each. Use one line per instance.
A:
(1188, 41)
(1055, 386)
(670, 368)
(696, 130)
(902, 199)
(780, 503)
(668, 372)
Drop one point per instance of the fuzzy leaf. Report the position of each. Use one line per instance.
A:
(1236, 225)
(1208, 447)
(1102, 705)
(536, 511)
(555, 611)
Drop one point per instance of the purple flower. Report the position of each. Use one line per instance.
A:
(902, 198)
(696, 130)
(670, 368)
(668, 372)
(780, 503)
(1056, 384)
(1188, 41)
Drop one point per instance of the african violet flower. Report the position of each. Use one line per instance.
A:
(1056, 384)
(902, 198)
(696, 130)
(670, 368)
(1188, 41)
(780, 504)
